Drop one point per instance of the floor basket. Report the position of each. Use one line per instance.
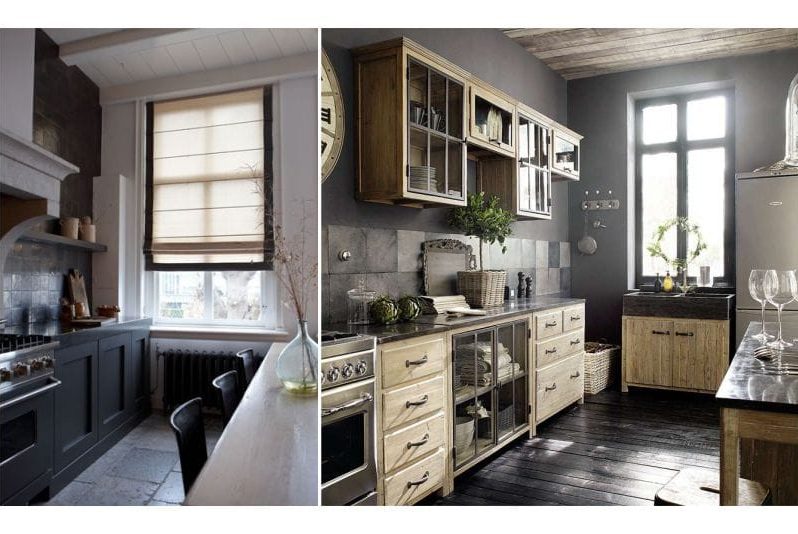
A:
(482, 289)
(602, 366)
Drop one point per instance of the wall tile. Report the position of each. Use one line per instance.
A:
(528, 252)
(565, 254)
(325, 247)
(347, 238)
(541, 254)
(554, 254)
(381, 251)
(408, 244)
(565, 280)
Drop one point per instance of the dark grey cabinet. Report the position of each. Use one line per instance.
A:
(139, 386)
(75, 403)
(115, 378)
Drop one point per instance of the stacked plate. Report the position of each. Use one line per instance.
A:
(421, 176)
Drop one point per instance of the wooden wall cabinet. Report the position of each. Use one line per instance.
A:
(410, 113)
(491, 120)
(565, 154)
(674, 353)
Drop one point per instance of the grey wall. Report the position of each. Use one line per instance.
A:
(486, 53)
(597, 108)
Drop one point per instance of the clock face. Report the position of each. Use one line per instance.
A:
(332, 118)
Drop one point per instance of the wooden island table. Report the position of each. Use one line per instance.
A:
(268, 452)
(759, 421)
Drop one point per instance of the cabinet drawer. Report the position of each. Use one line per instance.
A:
(552, 350)
(402, 405)
(413, 442)
(406, 361)
(409, 484)
(573, 317)
(548, 324)
(559, 385)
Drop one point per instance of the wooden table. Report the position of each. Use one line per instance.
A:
(759, 405)
(268, 453)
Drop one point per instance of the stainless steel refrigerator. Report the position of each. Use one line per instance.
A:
(767, 237)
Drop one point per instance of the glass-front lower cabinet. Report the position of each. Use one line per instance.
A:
(490, 384)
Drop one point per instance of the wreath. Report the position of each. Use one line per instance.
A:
(682, 223)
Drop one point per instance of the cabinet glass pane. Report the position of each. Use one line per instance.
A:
(541, 179)
(437, 110)
(504, 357)
(454, 119)
(493, 122)
(541, 156)
(521, 403)
(436, 175)
(465, 443)
(520, 342)
(525, 183)
(455, 172)
(464, 365)
(566, 155)
(420, 171)
(505, 411)
(524, 135)
(417, 93)
(485, 421)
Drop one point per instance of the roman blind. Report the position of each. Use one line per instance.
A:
(209, 182)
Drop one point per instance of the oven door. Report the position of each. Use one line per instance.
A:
(348, 465)
(26, 443)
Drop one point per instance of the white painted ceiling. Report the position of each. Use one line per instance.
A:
(112, 57)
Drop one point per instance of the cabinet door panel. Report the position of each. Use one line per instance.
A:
(114, 363)
(139, 386)
(75, 402)
(648, 351)
(700, 354)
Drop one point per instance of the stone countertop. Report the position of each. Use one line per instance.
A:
(68, 334)
(433, 324)
(755, 385)
(702, 305)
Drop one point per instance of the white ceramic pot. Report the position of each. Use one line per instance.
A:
(69, 227)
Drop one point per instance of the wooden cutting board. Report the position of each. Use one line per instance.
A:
(77, 291)
(93, 321)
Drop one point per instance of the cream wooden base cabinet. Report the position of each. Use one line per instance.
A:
(671, 353)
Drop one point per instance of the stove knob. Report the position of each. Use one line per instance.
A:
(47, 361)
(348, 370)
(361, 367)
(21, 369)
(37, 365)
(5, 375)
(333, 374)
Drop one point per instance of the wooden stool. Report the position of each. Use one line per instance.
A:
(700, 487)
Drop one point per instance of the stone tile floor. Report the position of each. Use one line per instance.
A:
(142, 469)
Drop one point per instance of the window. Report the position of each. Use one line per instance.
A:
(684, 165)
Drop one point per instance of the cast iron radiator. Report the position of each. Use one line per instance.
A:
(188, 374)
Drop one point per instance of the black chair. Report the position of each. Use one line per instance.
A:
(227, 384)
(247, 359)
(189, 429)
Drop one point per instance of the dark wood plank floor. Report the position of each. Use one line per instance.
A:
(613, 450)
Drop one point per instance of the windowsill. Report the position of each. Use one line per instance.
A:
(225, 333)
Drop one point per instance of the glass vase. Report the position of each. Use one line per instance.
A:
(297, 364)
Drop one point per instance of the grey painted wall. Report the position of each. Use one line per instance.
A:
(597, 108)
(486, 53)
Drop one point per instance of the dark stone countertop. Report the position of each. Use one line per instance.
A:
(754, 385)
(69, 335)
(432, 324)
(700, 305)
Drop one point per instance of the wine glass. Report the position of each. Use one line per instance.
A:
(779, 289)
(755, 287)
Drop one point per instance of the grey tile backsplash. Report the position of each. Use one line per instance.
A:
(34, 279)
(389, 261)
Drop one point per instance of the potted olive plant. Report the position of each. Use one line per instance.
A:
(490, 223)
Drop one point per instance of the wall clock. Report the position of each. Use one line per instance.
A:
(332, 118)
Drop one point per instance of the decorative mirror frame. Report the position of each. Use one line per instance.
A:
(446, 246)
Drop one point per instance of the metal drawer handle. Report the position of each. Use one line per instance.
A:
(552, 388)
(423, 441)
(575, 317)
(575, 342)
(420, 361)
(423, 400)
(550, 351)
(35, 393)
(418, 482)
(549, 325)
(364, 398)
(577, 375)
(685, 334)
(661, 333)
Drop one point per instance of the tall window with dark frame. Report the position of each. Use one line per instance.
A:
(684, 167)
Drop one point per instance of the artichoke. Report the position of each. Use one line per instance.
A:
(383, 310)
(409, 308)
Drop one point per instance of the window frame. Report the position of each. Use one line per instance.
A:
(681, 146)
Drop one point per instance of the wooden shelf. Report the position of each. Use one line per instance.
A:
(54, 239)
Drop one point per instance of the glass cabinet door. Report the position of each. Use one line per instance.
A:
(566, 155)
(534, 178)
(472, 382)
(435, 141)
(492, 120)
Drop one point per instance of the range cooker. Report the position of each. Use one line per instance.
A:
(348, 419)
(27, 365)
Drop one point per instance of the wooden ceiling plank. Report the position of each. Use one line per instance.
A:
(584, 36)
(515, 33)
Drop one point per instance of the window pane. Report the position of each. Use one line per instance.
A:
(236, 295)
(659, 124)
(706, 118)
(181, 295)
(659, 204)
(705, 205)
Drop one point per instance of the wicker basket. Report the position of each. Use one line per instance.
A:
(482, 289)
(602, 366)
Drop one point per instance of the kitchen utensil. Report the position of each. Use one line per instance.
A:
(587, 245)
(780, 290)
(704, 276)
(77, 292)
(465, 311)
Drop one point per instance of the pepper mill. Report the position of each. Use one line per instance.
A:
(520, 289)
(528, 287)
